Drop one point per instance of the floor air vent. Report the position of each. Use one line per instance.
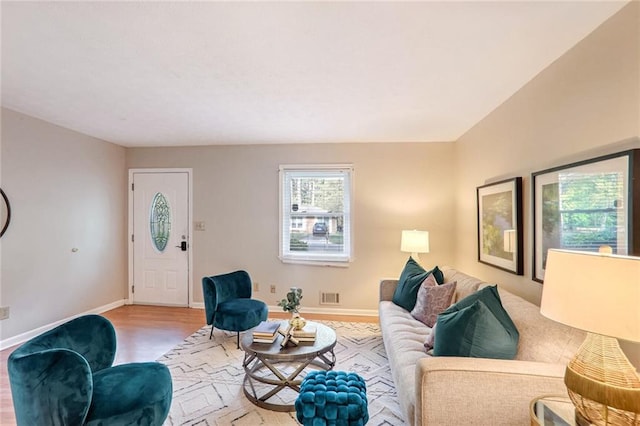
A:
(329, 298)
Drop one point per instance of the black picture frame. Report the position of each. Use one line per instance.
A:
(499, 214)
(5, 213)
(564, 197)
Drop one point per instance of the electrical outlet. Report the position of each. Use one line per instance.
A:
(273, 288)
(4, 312)
(256, 286)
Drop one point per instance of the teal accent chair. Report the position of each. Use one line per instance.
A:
(228, 304)
(65, 377)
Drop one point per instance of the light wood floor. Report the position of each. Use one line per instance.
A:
(145, 333)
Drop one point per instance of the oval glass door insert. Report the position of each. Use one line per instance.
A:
(160, 222)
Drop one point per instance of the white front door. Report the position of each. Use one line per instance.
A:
(160, 238)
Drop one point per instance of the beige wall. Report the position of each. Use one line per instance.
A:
(585, 104)
(397, 186)
(66, 190)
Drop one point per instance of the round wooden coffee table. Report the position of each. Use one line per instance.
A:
(273, 374)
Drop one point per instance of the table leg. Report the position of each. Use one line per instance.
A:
(254, 363)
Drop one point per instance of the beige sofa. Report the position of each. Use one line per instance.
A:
(455, 391)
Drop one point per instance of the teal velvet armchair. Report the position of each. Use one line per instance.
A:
(65, 377)
(228, 303)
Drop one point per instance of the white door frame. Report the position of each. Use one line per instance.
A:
(189, 173)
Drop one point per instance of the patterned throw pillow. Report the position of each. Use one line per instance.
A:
(432, 300)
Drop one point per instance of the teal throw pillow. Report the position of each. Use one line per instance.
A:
(409, 283)
(477, 326)
(439, 276)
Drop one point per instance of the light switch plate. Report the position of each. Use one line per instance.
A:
(199, 226)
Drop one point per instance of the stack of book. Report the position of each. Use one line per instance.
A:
(266, 332)
(296, 337)
(307, 334)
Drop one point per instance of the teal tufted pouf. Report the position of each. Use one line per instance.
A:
(332, 398)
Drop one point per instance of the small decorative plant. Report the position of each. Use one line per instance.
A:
(292, 302)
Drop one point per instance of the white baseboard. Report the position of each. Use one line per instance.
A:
(23, 337)
(324, 311)
(332, 311)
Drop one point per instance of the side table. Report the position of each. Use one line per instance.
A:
(552, 410)
(273, 374)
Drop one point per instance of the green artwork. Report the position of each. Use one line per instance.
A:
(583, 207)
(497, 217)
(582, 212)
(550, 219)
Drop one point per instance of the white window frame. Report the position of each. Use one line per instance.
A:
(323, 258)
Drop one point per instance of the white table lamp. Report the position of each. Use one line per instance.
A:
(598, 293)
(415, 242)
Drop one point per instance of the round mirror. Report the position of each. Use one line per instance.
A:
(5, 213)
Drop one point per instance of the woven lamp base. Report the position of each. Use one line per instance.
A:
(602, 383)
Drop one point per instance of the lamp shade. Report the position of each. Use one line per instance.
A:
(598, 293)
(415, 242)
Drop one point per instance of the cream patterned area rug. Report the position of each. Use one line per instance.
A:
(208, 374)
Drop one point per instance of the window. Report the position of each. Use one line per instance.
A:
(315, 214)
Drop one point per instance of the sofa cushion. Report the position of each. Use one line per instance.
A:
(410, 280)
(541, 339)
(466, 284)
(403, 338)
(432, 300)
(477, 326)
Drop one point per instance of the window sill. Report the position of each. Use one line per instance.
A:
(327, 263)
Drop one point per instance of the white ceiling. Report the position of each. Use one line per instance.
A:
(201, 73)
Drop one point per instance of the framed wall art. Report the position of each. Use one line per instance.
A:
(586, 205)
(500, 225)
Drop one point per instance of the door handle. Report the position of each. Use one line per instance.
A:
(183, 246)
